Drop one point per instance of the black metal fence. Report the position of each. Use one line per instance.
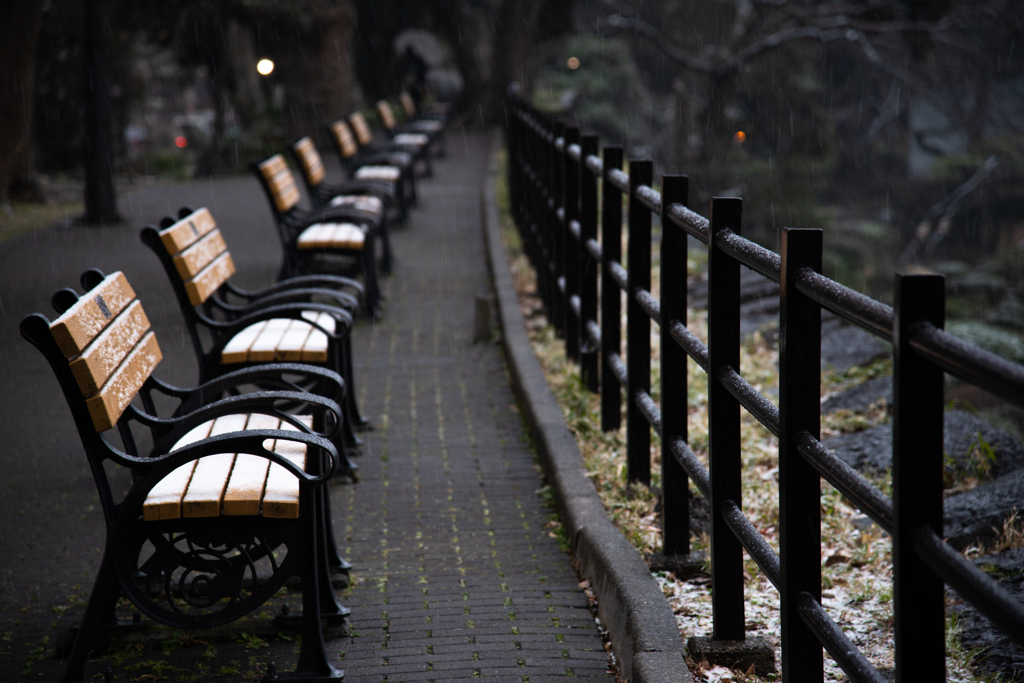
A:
(554, 175)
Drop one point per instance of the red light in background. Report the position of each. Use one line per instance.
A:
(181, 141)
(740, 136)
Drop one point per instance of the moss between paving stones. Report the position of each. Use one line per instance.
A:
(642, 628)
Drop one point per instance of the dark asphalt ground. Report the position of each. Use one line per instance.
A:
(456, 573)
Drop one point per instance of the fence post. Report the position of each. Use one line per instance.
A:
(533, 181)
(554, 227)
(799, 482)
(724, 423)
(611, 304)
(675, 497)
(588, 265)
(638, 326)
(917, 463)
(571, 255)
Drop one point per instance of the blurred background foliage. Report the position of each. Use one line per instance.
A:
(897, 126)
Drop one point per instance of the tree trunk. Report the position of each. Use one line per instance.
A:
(324, 87)
(19, 29)
(100, 198)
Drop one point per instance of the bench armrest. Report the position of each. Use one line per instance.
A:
(342, 300)
(382, 189)
(264, 402)
(333, 282)
(292, 310)
(269, 376)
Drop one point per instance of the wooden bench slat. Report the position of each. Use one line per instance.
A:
(309, 157)
(196, 257)
(324, 320)
(107, 405)
(407, 104)
(378, 173)
(264, 347)
(237, 350)
(187, 231)
(387, 117)
(345, 140)
(164, 499)
(315, 348)
(281, 497)
(363, 202)
(281, 182)
(210, 478)
(361, 128)
(210, 279)
(80, 324)
(417, 139)
(290, 347)
(92, 368)
(244, 492)
(332, 236)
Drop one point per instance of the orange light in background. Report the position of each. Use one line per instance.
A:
(181, 141)
(740, 136)
(573, 63)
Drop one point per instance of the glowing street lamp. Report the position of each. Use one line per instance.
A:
(264, 66)
(573, 63)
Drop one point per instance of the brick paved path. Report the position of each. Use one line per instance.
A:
(456, 575)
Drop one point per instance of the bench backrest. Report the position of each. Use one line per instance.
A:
(344, 139)
(361, 128)
(408, 105)
(310, 161)
(387, 117)
(200, 255)
(111, 351)
(280, 182)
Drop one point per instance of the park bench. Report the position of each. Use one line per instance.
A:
(363, 165)
(436, 111)
(417, 146)
(228, 503)
(378, 195)
(413, 132)
(311, 236)
(244, 326)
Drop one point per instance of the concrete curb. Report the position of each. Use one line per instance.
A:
(640, 622)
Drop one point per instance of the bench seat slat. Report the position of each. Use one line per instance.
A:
(164, 499)
(209, 279)
(92, 368)
(264, 347)
(237, 350)
(282, 339)
(378, 173)
(210, 478)
(362, 202)
(192, 260)
(416, 139)
(332, 236)
(281, 498)
(187, 231)
(80, 324)
(106, 405)
(294, 338)
(244, 493)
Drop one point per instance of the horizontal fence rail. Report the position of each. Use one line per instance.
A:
(557, 183)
